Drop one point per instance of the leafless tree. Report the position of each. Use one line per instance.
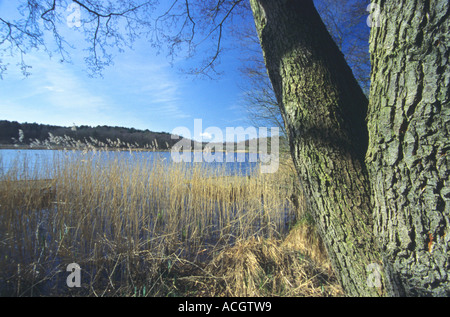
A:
(176, 26)
(345, 20)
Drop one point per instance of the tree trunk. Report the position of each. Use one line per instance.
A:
(324, 110)
(409, 122)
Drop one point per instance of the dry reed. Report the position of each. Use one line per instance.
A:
(140, 227)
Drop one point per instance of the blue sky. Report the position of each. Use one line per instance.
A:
(141, 90)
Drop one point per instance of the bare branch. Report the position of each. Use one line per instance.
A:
(186, 27)
(106, 26)
(199, 25)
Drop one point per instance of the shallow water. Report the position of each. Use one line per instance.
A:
(234, 163)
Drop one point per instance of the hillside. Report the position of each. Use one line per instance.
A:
(41, 134)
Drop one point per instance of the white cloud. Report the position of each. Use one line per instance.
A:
(157, 90)
(52, 88)
(206, 136)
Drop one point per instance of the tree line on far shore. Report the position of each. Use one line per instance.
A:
(34, 133)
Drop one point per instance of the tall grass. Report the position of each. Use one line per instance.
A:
(136, 227)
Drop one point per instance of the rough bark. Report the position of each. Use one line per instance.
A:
(324, 110)
(409, 123)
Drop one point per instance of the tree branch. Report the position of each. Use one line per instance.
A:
(186, 26)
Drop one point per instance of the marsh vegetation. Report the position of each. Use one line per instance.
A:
(141, 227)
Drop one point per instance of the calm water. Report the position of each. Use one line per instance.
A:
(233, 163)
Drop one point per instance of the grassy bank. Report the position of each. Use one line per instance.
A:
(147, 228)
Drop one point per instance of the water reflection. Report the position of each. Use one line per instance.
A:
(245, 164)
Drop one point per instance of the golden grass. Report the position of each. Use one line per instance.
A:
(140, 227)
(266, 267)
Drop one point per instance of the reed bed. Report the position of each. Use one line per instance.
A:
(140, 227)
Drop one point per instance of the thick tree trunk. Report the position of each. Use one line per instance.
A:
(324, 111)
(409, 123)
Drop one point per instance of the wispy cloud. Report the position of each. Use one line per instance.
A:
(68, 90)
(132, 93)
(158, 91)
(54, 93)
(51, 88)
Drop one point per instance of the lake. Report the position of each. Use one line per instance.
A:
(233, 163)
